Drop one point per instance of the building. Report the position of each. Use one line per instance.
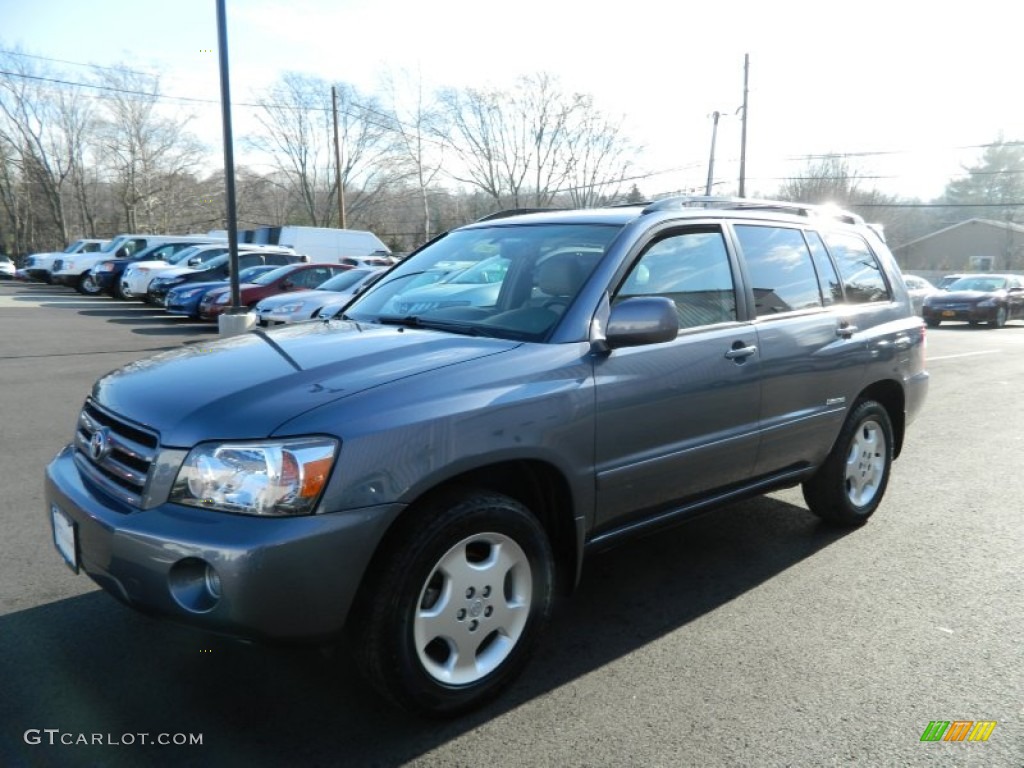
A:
(975, 245)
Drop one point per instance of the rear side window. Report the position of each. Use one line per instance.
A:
(692, 269)
(780, 268)
(859, 268)
(828, 278)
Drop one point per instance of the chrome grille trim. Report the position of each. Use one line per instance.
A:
(123, 470)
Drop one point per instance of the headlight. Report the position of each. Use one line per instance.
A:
(68, 265)
(104, 267)
(224, 298)
(187, 293)
(279, 477)
(987, 303)
(287, 309)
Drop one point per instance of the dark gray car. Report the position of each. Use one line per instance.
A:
(427, 482)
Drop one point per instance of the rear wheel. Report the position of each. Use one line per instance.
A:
(849, 485)
(458, 604)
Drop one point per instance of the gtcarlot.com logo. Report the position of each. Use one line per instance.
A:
(55, 736)
(958, 730)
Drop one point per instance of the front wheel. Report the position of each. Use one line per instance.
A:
(999, 320)
(87, 285)
(849, 485)
(461, 596)
(933, 323)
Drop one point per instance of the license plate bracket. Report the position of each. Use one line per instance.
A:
(65, 536)
(949, 313)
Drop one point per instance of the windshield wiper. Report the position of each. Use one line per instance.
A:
(415, 321)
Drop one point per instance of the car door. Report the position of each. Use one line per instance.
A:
(809, 363)
(1015, 298)
(677, 419)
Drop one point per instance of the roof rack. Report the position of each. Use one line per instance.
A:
(515, 212)
(742, 203)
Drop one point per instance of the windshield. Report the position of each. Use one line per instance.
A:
(114, 244)
(183, 254)
(269, 277)
(510, 281)
(248, 274)
(986, 284)
(73, 247)
(344, 280)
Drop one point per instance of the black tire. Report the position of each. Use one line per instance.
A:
(499, 575)
(850, 484)
(933, 323)
(999, 320)
(87, 285)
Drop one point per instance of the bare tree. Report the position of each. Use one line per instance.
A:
(151, 158)
(297, 137)
(415, 124)
(43, 128)
(599, 158)
(522, 146)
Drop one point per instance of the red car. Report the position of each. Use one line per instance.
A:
(293, 277)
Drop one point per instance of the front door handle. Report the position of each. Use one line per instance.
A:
(740, 353)
(845, 330)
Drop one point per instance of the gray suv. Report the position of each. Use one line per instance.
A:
(425, 483)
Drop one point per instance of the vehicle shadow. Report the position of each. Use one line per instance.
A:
(89, 665)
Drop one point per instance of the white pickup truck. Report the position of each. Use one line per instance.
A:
(73, 270)
(39, 265)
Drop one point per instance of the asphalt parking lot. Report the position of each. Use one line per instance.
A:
(753, 637)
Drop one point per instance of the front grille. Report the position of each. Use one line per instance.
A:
(58, 265)
(119, 460)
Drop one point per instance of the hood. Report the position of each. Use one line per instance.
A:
(961, 296)
(174, 271)
(179, 289)
(245, 387)
(280, 299)
(147, 266)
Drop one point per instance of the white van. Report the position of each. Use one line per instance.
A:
(323, 244)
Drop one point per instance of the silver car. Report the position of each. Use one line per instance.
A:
(295, 307)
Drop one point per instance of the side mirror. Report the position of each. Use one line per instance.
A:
(642, 320)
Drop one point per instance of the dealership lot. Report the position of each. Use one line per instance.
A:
(753, 637)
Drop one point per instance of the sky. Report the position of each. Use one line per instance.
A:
(908, 89)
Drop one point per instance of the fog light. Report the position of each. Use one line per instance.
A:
(194, 585)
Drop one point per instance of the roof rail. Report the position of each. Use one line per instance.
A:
(742, 203)
(515, 212)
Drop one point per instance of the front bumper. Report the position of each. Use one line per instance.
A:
(276, 578)
(65, 279)
(969, 314)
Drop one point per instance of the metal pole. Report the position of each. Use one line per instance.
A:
(337, 160)
(743, 135)
(711, 162)
(229, 154)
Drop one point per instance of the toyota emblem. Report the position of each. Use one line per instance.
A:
(99, 444)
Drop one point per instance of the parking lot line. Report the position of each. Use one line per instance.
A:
(964, 354)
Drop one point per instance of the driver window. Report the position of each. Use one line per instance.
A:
(690, 268)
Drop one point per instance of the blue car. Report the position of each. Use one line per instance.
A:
(184, 300)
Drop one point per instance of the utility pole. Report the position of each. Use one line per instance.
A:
(337, 161)
(743, 135)
(711, 161)
(229, 155)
